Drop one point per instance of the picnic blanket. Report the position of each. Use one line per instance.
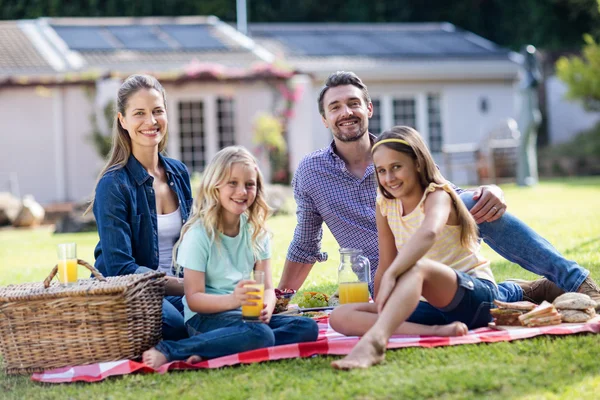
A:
(329, 343)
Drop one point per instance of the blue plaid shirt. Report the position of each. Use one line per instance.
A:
(325, 191)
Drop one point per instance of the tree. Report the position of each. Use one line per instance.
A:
(582, 74)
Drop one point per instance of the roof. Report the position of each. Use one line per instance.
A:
(375, 47)
(76, 47)
(158, 43)
(414, 40)
(17, 52)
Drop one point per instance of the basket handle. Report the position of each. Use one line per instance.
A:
(93, 270)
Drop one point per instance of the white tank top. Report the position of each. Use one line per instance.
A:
(169, 227)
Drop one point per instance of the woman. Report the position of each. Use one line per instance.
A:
(142, 198)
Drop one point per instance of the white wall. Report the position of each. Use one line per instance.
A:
(45, 132)
(300, 131)
(463, 120)
(28, 138)
(83, 163)
(566, 118)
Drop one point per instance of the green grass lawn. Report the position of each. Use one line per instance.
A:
(567, 213)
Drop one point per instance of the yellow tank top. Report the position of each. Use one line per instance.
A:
(447, 249)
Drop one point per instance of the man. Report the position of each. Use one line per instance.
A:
(337, 185)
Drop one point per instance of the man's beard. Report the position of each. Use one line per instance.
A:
(348, 139)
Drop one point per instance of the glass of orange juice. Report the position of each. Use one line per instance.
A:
(67, 262)
(252, 313)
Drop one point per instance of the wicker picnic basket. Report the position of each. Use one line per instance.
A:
(44, 325)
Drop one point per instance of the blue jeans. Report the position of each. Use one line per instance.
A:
(471, 305)
(515, 241)
(173, 327)
(225, 333)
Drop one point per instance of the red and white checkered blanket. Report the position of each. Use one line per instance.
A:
(329, 342)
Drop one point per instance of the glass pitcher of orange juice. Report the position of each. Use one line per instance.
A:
(353, 276)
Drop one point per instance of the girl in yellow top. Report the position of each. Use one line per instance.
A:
(428, 248)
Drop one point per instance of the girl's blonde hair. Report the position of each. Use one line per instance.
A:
(208, 209)
(429, 173)
(121, 142)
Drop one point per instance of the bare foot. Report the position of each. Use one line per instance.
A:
(154, 358)
(193, 359)
(452, 329)
(370, 350)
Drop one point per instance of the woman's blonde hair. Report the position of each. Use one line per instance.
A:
(121, 142)
(208, 209)
(428, 173)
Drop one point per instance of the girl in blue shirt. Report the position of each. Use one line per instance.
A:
(221, 244)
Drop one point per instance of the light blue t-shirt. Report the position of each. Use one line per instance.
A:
(225, 262)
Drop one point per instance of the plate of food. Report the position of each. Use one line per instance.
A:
(309, 302)
(313, 314)
(313, 300)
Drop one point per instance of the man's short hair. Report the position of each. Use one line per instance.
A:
(341, 78)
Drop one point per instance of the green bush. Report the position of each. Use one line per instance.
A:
(579, 156)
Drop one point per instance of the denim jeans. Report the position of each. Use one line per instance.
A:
(471, 304)
(518, 243)
(225, 333)
(173, 327)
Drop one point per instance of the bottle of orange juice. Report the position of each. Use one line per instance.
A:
(67, 262)
(353, 276)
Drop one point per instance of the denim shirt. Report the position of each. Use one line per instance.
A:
(125, 211)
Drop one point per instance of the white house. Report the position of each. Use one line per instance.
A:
(55, 73)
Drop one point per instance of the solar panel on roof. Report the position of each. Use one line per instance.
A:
(453, 43)
(138, 38)
(383, 43)
(83, 37)
(406, 43)
(358, 43)
(310, 44)
(193, 37)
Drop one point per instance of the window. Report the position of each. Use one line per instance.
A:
(405, 112)
(225, 122)
(191, 128)
(434, 118)
(375, 121)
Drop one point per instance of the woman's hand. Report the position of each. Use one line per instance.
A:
(386, 287)
(244, 295)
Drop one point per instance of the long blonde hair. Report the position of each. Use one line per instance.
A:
(208, 209)
(429, 173)
(121, 142)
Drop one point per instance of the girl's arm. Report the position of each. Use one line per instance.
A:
(387, 247)
(270, 298)
(438, 206)
(201, 302)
